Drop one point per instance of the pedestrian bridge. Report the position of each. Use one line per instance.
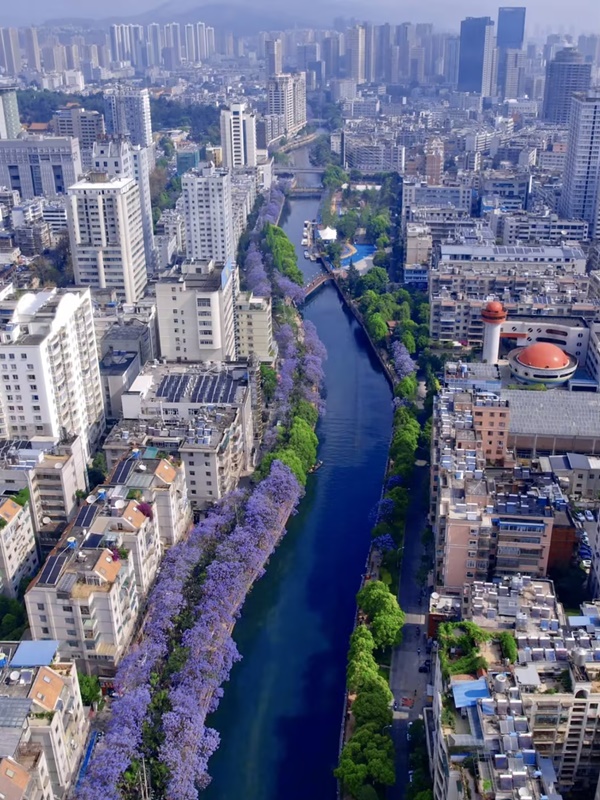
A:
(324, 277)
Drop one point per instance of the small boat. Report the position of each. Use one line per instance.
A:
(306, 254)
(316, 467)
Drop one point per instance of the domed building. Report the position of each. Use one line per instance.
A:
(542, 362)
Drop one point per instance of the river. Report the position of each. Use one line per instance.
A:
(280, 717)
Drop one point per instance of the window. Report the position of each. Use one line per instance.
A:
(45, 631)
(71, 632)
(43, 618)
(40, 606)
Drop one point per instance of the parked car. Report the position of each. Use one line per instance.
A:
(409, 726)
(410, 776)
(579, 516)
(585, 552)
(586, 563)
(589, 516)
(424, 668)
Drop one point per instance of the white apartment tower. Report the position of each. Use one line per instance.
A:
(10, 123)
(356, 47)
(287, 99)
(238, 136)
(32, 50)
(127, 112)
(107, 236)
(50, 384)
(119, 158)
(195, 305)
(87, 126)
(208, 214)
(580, 196)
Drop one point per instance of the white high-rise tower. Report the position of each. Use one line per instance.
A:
(238, 136)
(580, 197)
(208, 214)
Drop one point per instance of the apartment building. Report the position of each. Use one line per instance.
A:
(287, 99)
(196, 306)
(207, 200)
(86, 594)
(86, 126)
(43, 721)
(238, 136)
(491, 518)
(127, 112)
(118, 370)
(418, 244)
(40, 166)
(119, 158)
(52, 471)
(203, 415)
(18, 551)
(161, 483)
(107, 235)
(528, 280)
(50, 382)
(254, 325)
(524, 228)
(418, 194)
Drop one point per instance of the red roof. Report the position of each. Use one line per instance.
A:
(543, 355)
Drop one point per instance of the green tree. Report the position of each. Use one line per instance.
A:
(377, 226)
(89, 686)
(268, 378)
(375, 279)
(304, 443)
(408, 340)
(307, 412)
(385, 615)
(347, 224)
(367, 756)
(372, 705)
(334, 177)
(334, 253)
(367, 793)
(376, 327)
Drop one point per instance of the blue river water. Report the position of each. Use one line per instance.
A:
(280, 717)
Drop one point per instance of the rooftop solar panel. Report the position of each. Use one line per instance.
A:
(123, 470)
(85, 517)
(93, 541)
(52, 569)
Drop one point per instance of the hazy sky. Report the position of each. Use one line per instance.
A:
(542, 15)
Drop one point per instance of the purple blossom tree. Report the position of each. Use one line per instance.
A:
(403, 363)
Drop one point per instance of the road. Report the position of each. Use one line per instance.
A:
(405, 677)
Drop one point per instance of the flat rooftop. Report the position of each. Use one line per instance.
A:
(553, 413)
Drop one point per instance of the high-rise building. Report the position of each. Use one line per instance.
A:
(155, 41)
(509, 41)
(238, 136)
(39, 166)
(48, 337)
(10, 123)
(191, 43)
(476, 59)
(451, 60)
(32, 49)
(511, 27)
(580, 198)
(208, 215)
(127, 112)
(10, 51)
(107, 236)
(274, 57)
(119, 158)
(87, 126)
(566, 74)
(512, 76)
(355, 47)
(196, 312)
(287, 99)
(173, 45)
(201, 41)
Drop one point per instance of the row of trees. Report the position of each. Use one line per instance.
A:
(283, 253)
(367, 759)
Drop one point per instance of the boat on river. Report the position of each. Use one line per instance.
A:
(316, 467)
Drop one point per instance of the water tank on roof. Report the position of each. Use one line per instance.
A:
(500, 682)
(579, 657)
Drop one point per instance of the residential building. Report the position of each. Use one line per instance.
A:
(53, 472)
(161, 483)
(43, 720)
(355, 46)
(287, 99)
(476, 60)
(535, 228)
(118, 370)
(39, 166)
(580, 198)
(107, 235)
(274, 57)
(254, 328)
(86, 595)
(10, 123)
(18, 551)
(566, 75)
(202, 414)
(238, 136)
(418, 245)
(32, 50)
(51, 382)
(188, 157)
(120, 158)
(127, 112)
(207, 202)
(196, 304)
(509, 41)
(87, 126)
(10, 51)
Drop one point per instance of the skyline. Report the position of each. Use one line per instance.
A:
(538, 13)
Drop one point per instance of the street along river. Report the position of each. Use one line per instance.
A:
(280, 716)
